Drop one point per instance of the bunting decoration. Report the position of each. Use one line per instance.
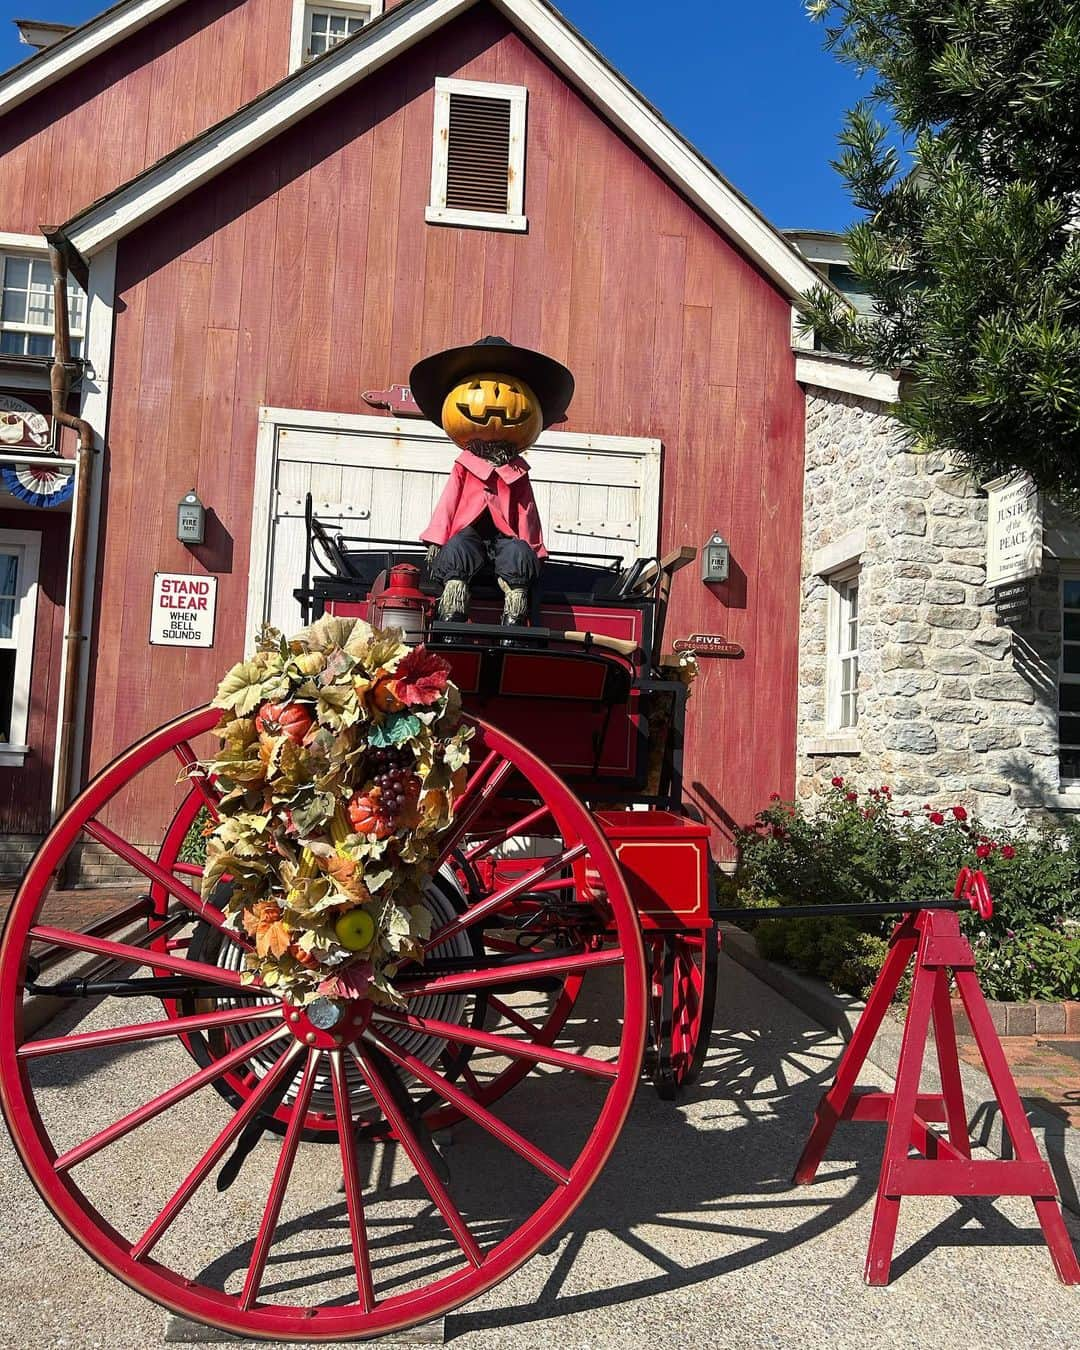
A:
(38, 484)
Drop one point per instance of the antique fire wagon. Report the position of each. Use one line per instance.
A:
(572, 945)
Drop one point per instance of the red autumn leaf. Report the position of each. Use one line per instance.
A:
(421, 678)
(350, 981)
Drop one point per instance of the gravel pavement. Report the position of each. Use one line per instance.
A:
(691, 1237)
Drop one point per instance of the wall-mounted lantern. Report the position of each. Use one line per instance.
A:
(190, 519)
(715, 559)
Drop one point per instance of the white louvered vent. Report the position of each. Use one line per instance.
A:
(478, 157)
(478, 154)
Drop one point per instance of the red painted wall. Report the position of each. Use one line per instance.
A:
(307, 274)
(85, 135)
(25, 792)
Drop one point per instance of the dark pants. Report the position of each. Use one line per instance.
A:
(465, 553)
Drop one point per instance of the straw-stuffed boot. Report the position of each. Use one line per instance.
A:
(515, 603)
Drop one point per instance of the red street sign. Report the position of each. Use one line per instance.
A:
(397, 399)
(708, 644)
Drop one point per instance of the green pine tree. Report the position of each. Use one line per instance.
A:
(969, 237)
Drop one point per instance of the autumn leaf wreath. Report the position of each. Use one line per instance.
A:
(342, 752)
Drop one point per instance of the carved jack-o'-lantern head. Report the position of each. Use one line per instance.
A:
(491, 397)
(492, 410)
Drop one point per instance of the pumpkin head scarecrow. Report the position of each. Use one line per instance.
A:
(492, 399)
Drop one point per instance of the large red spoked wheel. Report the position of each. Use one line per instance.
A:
(115, 1133)
(682, 968)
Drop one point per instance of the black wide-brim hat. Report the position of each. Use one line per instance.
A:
(432, 378)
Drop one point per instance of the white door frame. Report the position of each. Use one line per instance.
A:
(427, 442)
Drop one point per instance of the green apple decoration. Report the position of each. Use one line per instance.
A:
(355, 929)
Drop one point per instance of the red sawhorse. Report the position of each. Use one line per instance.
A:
(946, 1167)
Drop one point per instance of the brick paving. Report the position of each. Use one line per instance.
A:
(76, 908)
(1045, 1074)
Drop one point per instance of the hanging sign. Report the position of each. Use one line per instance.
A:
(183, 609)
(23, 427)
(708, 644)
(397, 399)
(1014, 530)
(38, 484)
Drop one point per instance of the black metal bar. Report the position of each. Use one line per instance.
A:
(869, 910)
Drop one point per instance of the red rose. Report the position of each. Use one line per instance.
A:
(421, 678)
(1007, 851)
(886, 788)
(779, 832)
(774, 796)
(838, 782)
(905, 813)
(983, 851)
(936, 818)
(851, 797)
(959, 813)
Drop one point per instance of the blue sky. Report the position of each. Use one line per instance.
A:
(749, 84)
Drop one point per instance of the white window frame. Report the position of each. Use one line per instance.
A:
(302, 9)
(13, 246)
(1069, 785)
(26, 545)
(437, 212)
(837, 652)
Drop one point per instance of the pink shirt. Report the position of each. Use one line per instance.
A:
(503, 490)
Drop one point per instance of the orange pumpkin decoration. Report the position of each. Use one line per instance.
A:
(492, 408)
(284, 719)
(383, 697)
(303, 958)
(364, 814)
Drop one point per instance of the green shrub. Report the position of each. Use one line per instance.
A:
(193, 849)
(857, 847)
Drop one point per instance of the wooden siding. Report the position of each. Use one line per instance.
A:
(26, 791)
(82, 137)
(308, 274)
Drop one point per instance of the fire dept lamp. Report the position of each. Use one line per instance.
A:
(715, 559)
(190, 519)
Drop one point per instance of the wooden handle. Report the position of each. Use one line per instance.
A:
(621, 645)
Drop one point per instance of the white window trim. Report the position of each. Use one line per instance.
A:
(28, 544)
(300, 10)
(1068, 787)
(835, 654)
(26, 246)
(437, 212)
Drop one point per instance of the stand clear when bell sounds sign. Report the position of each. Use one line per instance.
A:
(183, 609)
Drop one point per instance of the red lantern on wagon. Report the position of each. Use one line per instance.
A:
(402, 604)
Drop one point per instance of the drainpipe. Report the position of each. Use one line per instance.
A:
(60, 376)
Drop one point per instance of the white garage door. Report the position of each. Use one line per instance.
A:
(379, 478)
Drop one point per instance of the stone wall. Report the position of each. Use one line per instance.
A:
(952, 707)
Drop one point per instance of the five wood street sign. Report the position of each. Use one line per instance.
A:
(182, 610)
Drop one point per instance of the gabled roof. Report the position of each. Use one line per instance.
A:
(82, 44)
(312, 86)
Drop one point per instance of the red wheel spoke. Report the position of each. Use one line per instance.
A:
(510, 832)
(416, 985)
(282, 1172)
(498, 899)
(502, 1045)
(136, 858)
(468, 1107)
(200, 781)
(512, 1015)
(209, 1159)
(405, 1136)
(478, 793)
(187, 869)
(123, 951)
(354, 1199)
(143, 1031)
(164, 1100)
(471, 1081)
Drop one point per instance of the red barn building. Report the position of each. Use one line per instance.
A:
(455, 168)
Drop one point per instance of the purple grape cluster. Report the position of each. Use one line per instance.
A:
(398, 790)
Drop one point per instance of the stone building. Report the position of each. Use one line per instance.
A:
(907, 677)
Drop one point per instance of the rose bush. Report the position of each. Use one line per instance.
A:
(858, 847)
